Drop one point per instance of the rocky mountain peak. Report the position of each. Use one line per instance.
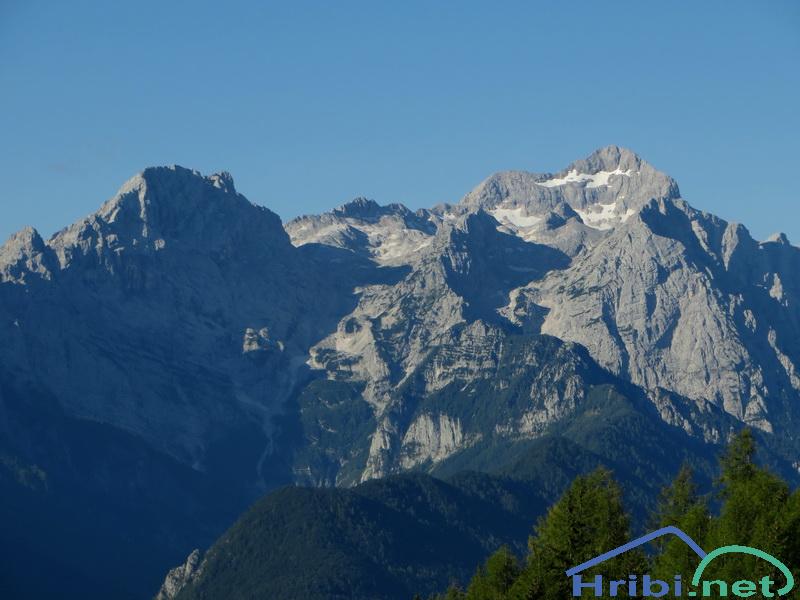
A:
(368, 211)
(24, 242)
(165, 207)
(575, 207)
(173, 191)
(390, 234)
(25, 252)
(609, 158)
(616, 170)
(360, 207)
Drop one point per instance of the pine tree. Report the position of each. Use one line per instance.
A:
(737, 462)
(494, 580)
(588, 520)
(680, 506)
(790, 538)
(755, 512)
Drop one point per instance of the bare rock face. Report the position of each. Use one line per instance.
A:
(390, 235)
(142, 315)
(461, 278)
(676, 301)
(24, 257)
(680, 300)
(431, 439)
(179, 577)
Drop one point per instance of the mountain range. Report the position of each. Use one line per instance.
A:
(181, 353)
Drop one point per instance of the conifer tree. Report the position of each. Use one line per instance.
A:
(588, 520)
(755, 512)
(494, 580)
(756, 509)
(790, 534)
(680, 506)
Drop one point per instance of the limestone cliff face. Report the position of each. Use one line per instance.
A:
(143, 314)
(680, 300)
(604, 254)
(431, 438)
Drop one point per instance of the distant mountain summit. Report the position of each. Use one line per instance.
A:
(390, 235)
(182, 341)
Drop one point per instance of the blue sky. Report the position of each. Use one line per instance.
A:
(311, 104)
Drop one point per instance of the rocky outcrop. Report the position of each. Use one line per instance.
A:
(180, 577)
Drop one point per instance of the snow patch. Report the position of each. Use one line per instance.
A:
(606, 218)
(601, 178)
(515, 216)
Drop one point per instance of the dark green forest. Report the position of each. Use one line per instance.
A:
(748, 506)
(392, 538)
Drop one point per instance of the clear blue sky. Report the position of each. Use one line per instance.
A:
(311, 104)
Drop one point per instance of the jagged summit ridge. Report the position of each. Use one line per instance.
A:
(574, 207)
(609, 158)
(168, 186)
(603, 253)
(173, 207)
(172, 191)
(158, 208)
(391, 234)
(569, 209)
(582, 183)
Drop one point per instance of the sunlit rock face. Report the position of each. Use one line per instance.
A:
(180, 311)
